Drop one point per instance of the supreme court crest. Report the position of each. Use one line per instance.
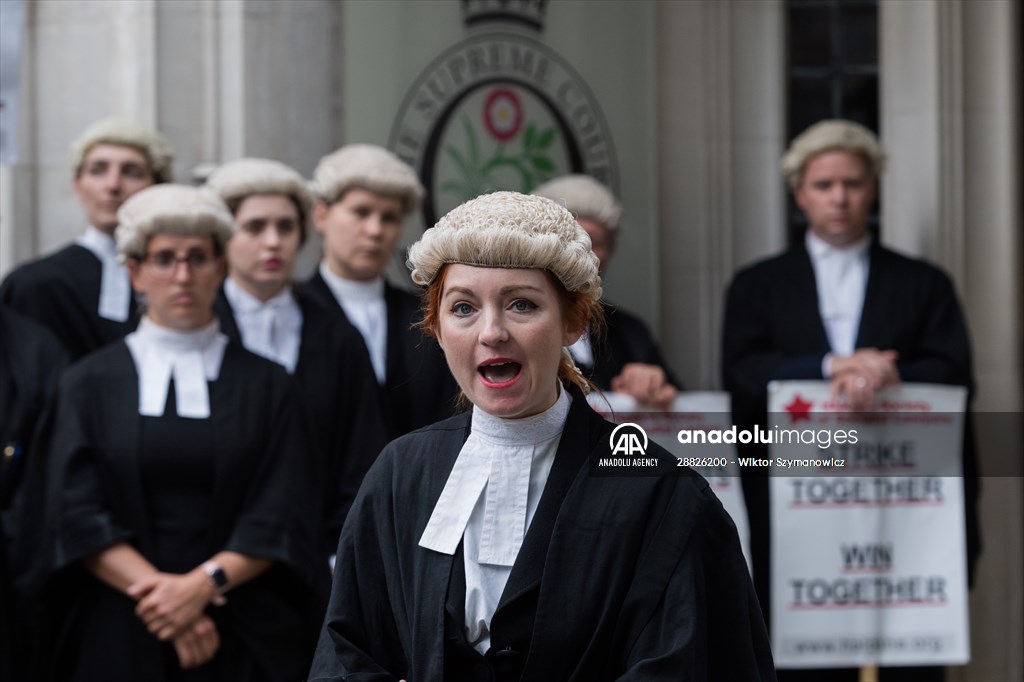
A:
(500, 110)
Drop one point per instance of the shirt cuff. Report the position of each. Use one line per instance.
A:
(826, 366)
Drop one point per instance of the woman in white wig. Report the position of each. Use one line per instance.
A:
(183, 541)
(363, 194)
(493, 545)
(258, 307)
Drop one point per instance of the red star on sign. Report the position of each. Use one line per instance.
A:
(799, 409)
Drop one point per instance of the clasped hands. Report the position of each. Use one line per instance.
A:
(646, 383)
(858, 377)
(171, 606)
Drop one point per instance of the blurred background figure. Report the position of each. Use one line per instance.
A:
(626, 358)
(259, 307)
(363, 193)
(184, 540)
(31, 360)
(82, 293)
(840, 307)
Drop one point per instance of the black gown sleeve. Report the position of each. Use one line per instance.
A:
(943, 351)
(751, 353)
(61, 291)
(31, 360)
(627, 339)
(76, 490)
(707, 624)
(360, 640)
(279, 518)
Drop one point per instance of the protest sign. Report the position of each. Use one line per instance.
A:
(867, 523)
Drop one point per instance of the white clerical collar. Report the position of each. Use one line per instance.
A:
(191, 358)
(526, 431)
(582, 351)
(840, 276)
(271, 328)
(496, 458)
(818, 248)
(242, 300)
(350, 289)
(115, 286)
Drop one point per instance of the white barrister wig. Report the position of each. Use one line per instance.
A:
(236, 180)
(509, 230)
(586, 198)
(832, 135)
(126, 133)
(369, 167)
(170, 209)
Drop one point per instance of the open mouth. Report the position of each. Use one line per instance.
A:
(498, 373)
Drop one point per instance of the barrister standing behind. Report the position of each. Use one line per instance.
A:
(183, 536)
(363, 193)
(259, 307)
(838, 306)
(625, 358)
(82, 293)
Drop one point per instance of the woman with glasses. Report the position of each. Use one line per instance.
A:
(183, 542)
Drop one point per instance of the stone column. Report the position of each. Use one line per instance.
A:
(950, 119)
(721, 127)
(220, 78)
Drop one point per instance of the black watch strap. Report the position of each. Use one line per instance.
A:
(218, 579)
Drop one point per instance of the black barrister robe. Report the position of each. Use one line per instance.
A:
(626, 339)
(418, 388)
(335, 384)
(619, 577)
(261, 507)
(62, 292)
(31, 359)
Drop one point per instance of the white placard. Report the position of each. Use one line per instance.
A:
(868, 549)
(692, 411)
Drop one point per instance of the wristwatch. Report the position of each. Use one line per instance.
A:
(219, 581)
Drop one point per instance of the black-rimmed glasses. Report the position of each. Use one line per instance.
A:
(165, 262)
